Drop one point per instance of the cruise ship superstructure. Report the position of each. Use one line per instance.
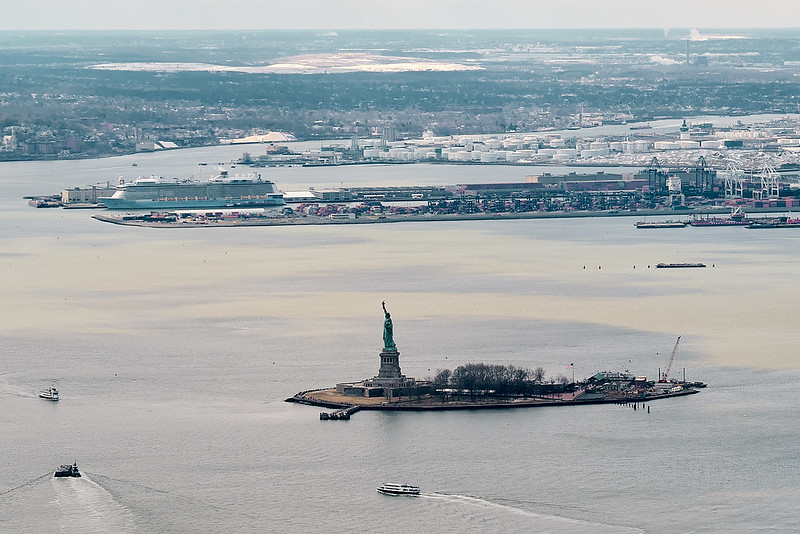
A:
(222, 191)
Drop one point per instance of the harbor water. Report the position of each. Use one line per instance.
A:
(174, 349)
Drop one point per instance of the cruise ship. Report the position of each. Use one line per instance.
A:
(222, 191)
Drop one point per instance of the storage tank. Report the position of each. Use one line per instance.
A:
(689, 145)
(400, 154)
(665, 145)
(713, 144)
(784, 141)
(459, 155)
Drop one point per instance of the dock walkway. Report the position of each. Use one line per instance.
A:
(339, 415)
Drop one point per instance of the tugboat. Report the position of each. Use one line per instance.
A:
(49, 394)
(398, 489)
(67, 470)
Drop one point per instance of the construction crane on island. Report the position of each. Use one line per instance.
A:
(671, 359)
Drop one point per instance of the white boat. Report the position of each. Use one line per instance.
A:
(398, 489)
(49, 394)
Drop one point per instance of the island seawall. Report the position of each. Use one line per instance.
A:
(433, 404)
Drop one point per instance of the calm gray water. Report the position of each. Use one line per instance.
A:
(174, 349)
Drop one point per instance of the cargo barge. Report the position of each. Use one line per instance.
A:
(736, 218)
(779, 222)
(661, 224)
(678, 265)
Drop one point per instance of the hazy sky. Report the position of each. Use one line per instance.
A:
(383, 14)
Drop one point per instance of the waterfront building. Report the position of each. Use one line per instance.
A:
(76, 195)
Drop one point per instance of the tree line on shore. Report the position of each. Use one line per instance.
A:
(498, 379)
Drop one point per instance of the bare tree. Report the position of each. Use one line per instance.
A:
(538, 375)
(442, 377)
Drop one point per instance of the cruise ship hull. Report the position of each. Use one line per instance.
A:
(189, 203)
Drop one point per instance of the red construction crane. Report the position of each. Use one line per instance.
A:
(671, 359)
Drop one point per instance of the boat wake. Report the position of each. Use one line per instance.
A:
(28, 483)
(18, 391)
(545, 522)
(86, 507)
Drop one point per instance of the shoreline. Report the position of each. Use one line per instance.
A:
(427, 403)
(315, 220)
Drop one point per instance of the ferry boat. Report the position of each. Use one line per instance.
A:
(67, 470)
(221, 191)
(398, 489)
(49, 394)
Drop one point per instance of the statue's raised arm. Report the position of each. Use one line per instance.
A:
(388, 339)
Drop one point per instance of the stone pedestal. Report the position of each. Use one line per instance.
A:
(390, 365)
(389, 376)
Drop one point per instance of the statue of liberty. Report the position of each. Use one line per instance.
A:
(388, 341)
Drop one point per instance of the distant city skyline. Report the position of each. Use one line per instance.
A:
(409, 14)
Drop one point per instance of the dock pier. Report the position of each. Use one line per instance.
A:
(339, 415)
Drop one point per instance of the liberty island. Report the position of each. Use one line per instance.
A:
(468, 388)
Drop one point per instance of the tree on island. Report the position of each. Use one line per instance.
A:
(442, 378)
(497, 380)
